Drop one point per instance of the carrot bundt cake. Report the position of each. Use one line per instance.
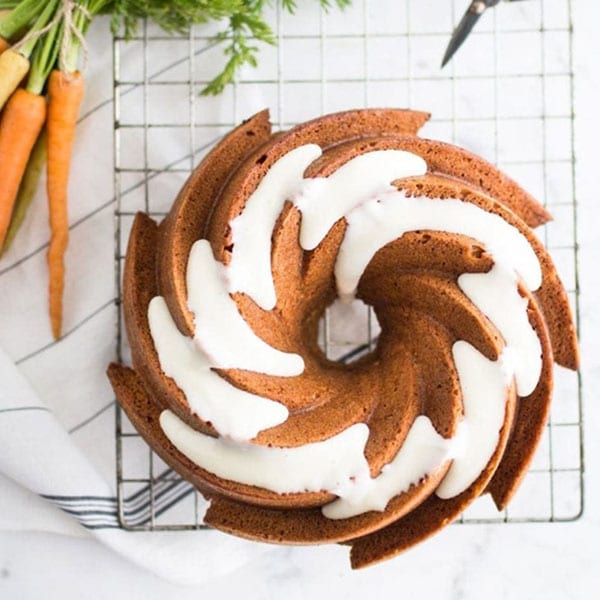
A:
(222, 303)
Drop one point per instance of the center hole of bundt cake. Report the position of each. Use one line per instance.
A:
(348, 331)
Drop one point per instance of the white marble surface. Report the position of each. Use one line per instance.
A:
(549, 561)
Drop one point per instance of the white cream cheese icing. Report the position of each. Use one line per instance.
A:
(331, 464)
(484, 384)
(220, 331)
(233, 412)
(382, 219)
(250, 268)
(325, 200)
(336, 465)
(423, 452)
(376, 214)
(496, 294)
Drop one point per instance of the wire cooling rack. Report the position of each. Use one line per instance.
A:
(508, 96)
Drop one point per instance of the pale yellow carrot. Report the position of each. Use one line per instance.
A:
(13, 67)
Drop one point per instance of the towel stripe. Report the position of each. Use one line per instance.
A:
(23, 408)
(102, 510)
(89, 419)
(73, 329)
(136, 516)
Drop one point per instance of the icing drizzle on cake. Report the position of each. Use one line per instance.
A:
(376, 213)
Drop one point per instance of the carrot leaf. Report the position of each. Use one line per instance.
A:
(21, 15)
(245, 30)
(45, 50)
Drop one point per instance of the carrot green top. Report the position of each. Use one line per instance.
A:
(54, 28)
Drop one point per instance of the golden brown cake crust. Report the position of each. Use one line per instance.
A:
(411, 283)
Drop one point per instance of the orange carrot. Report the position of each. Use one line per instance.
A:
(65, 93)
(27, 190)
(22, 121)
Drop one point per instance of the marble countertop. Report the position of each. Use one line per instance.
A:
(547, 560)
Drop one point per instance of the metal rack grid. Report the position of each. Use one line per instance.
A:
(508, 96)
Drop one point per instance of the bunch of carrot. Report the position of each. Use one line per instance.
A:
(41, 91)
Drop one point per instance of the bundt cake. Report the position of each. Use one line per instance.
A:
(222, 303)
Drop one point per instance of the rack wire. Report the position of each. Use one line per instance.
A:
(508, 96)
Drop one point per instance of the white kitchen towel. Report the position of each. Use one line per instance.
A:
(57, 411)
(39, 454)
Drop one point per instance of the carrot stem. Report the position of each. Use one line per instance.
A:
(20, 126)
(43, 19)
(3, 14)
(43, 59)
(27, 189)
(20, 17)
(65, 93)
(81, 23)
